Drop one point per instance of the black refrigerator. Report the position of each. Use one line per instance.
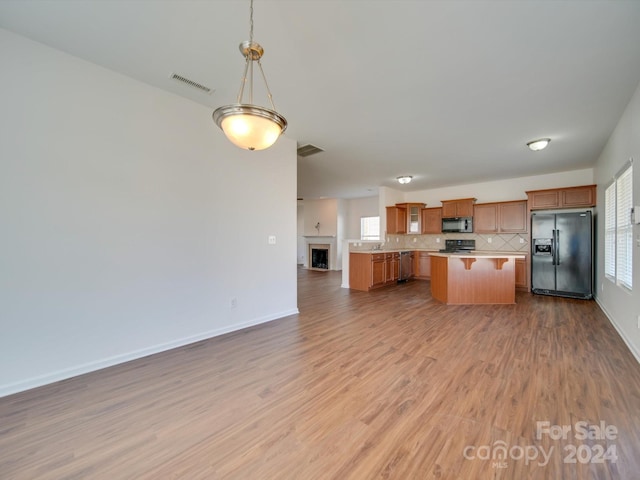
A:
(562, 254)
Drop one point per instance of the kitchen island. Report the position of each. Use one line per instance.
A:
(474, 277)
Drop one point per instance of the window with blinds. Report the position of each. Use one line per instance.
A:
(370, 228)
(618, 229)
(610, 231)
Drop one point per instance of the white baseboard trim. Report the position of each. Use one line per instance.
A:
(613, 322)
(59, 375)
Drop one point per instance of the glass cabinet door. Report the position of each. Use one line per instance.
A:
(414, 219)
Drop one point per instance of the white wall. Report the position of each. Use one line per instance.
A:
(301, 244)
(330, 214)
(356, 209)
(621, 306)
(128, 221)
(324, 212)
(502, 190)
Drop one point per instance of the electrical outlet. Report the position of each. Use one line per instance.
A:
(489, 240)
(233, 302)
(272, 240)
(438, 240)
(415, 239)
(521, 240)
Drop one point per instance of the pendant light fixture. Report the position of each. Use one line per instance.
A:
(246, 125)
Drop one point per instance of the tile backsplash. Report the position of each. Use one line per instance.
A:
(497, 242)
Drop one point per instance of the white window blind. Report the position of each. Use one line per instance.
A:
(618, 230)
(624, 229)
(370, 228)
(610, 231)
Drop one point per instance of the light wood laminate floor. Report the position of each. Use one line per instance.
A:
(385, 384)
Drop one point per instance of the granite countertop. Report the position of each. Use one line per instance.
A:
(476, 254)
(394, 250)
(473, 253)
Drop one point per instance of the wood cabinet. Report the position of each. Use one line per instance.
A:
(373, 270)
(462, 207)
(431, 220)
(570, 197)
(396, 220)
(522, 279)
(412, 216)
(500, 217)
(485, 218)
(378, 275)
(392, 267)
(422, 265)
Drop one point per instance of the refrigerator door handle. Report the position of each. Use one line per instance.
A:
(557, 247)
(554, 253)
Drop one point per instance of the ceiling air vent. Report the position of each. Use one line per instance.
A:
(308, 149)
(191, 83)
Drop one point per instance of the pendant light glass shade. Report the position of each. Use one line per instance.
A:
(246, 125)
(249, 126)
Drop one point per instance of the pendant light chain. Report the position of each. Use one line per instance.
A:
(251, 22)
(246, 125)
(273, 106)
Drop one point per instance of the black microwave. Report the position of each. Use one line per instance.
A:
(457, 225)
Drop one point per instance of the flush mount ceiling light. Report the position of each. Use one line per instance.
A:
(539, 144)
(246, 125)
(404, 179)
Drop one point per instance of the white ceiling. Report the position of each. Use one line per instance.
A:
(446, 91)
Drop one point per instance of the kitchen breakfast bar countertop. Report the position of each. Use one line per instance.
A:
(474, 277)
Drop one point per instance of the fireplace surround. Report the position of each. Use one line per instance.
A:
(319, 256)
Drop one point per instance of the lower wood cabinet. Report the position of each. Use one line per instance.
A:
(522, 279)
(392, 266)
(378, 274)
(422, 265)
(373, 270)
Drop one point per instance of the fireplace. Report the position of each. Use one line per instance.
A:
(319, 255)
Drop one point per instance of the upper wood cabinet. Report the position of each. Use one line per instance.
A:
(431, 220)
(462, 207)
(513, 217)
(500, 217)
(405, 218)
(570, 197)
(485, 218)
(414, 219)
(396, 219)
